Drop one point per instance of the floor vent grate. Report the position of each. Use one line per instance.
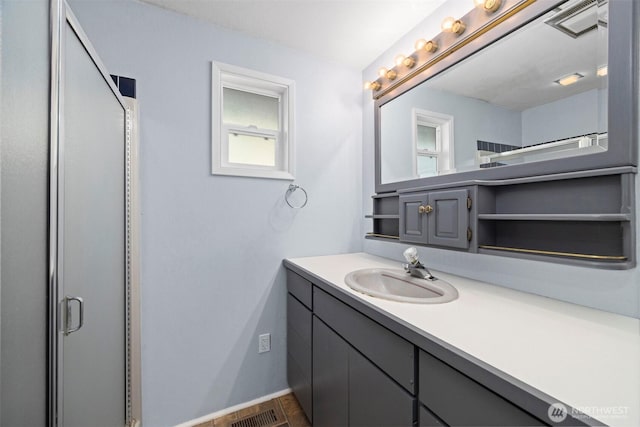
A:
(263, 419)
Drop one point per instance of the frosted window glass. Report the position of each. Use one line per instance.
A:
(426, 138)
(250, 109)
(427, 166)
(252, 150)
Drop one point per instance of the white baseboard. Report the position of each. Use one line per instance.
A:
(226, 411)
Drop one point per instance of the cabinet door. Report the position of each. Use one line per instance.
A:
(460, 401)
(427, 419)
(330, 377)
(449, 220)
(413, 223)
(374, 398)
(299, 352)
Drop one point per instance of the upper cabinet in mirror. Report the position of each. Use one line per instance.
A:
(531, 99)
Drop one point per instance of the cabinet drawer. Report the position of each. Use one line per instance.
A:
(300, 288)
(387, 350)
(458, 400)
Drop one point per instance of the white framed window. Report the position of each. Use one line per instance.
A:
(432, 142)
(252, 123)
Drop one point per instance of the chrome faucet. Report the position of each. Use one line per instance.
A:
(414, 267)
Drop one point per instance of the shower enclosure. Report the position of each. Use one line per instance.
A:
(92, 365)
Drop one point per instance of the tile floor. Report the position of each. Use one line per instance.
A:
(284, 411)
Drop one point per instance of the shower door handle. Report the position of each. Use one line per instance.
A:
(67, 321)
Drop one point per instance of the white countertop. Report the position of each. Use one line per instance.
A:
(586, 358)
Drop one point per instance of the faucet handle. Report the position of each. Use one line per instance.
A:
(411, 255)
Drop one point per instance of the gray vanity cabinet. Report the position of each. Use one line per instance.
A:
(439, 218)
(349, 390)
(352, 370)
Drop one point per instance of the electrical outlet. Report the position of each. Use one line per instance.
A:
(264, 343)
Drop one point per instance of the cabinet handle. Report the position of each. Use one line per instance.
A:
(425, 209)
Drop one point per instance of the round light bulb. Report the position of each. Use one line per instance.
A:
(409, 62)
(399, 59)
(447, 23)
(420, 44)
(488, 6)
(458, 27)
(382, 72)
(431, 46)
(367, 85)
(492, 5)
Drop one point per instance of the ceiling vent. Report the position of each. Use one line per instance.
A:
(580, 18)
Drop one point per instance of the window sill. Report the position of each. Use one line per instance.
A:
(253, 173)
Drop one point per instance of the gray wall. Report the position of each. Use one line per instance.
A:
(24, 157)
(615, 291)
(212, 246)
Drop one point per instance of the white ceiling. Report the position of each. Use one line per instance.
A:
(351, 32)
(519, 72)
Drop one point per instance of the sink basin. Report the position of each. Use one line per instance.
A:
(397, 285)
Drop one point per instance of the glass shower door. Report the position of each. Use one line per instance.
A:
(91, 337)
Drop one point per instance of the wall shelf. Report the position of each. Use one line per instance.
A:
(593, 257)
(375, 236)
(385, 216)
(379, 216)
(555, 217)
(583, 220)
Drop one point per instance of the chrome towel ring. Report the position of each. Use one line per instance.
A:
(292, 188)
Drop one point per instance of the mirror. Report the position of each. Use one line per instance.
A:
(538, 93)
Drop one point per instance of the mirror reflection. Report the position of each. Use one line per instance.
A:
(536, 94)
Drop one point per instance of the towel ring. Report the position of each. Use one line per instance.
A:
(292, 188)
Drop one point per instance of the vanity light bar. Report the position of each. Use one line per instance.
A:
(405, 63)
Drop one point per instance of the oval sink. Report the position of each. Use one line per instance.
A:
(397, 285)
